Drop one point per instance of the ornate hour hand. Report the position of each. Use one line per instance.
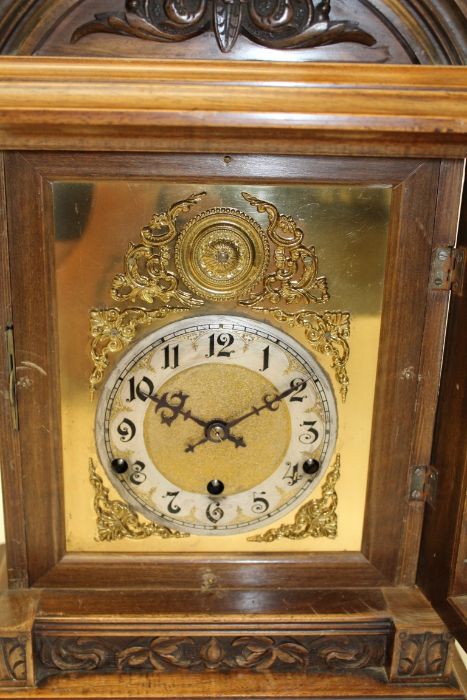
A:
(217, 431)
(271, 401)
(172, 405)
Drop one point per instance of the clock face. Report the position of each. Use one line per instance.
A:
(216, 425)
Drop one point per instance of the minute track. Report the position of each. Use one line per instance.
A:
(179, 412)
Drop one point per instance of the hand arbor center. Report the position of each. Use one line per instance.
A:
(216, 431)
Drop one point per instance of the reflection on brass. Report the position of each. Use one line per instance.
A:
(221, 253)
(146, 264)
(294, 278)
(327, 334)
(317, 518)
(147, 276)
(117, 520)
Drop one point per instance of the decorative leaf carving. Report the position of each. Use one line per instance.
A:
(423, 655)
(261, 653)
(227, 22)
(255, 653)
(280, 24)
(75, 654)
(12, 660)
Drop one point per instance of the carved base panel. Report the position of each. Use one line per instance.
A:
(171, 653)
(421, 656)
(307, 633)
(17, 612)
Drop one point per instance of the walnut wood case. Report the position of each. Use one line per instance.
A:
(378, 622)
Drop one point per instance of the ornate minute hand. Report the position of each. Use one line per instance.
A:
(270, 401)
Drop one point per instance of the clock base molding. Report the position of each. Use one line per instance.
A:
(367, 635)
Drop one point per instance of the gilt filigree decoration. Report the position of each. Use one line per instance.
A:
(147, 275)
(327, 334)
(294, 278)
(147, 278)
(220, 254)
(112, 329)
(277, 24)
(316, 518)
(116, 520)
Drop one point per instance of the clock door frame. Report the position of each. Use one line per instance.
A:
(392, 526)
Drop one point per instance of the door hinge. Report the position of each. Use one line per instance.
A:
(11, 374)
(423, 484)
(447, 269)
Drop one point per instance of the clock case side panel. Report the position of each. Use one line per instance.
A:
(410, 366)
(35, 496)
(442, 571)
(415, 193)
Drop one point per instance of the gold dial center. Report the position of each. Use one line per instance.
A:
(240, 457)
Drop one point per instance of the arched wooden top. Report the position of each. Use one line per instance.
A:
(348, 31)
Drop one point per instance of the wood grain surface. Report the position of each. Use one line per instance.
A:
(211, 686)
(173, 105)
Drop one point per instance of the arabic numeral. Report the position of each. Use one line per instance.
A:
(265, 359)
(311, 434)
(143, 390)
(137, 476)
(225, 340)
(172, 507)
(214, 512)
(127, 430)
(260, 504)
(292, 474)
(300, 385)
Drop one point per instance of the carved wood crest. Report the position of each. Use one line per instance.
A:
(276, 24)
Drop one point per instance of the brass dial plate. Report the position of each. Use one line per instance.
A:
(346, 224)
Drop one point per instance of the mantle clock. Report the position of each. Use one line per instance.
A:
(232, 374)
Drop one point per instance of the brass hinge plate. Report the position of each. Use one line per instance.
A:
(11, 373)
(423, 484)
(447, 269)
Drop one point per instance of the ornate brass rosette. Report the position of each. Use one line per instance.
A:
(221, 254)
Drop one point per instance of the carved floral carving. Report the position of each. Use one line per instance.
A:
(75, 654)
(250, 653)
(278, 24)
(12, 660)
(423, 655)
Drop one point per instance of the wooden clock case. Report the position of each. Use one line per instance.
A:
(378, 622)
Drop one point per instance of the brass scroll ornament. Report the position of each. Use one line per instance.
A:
(219, 255)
